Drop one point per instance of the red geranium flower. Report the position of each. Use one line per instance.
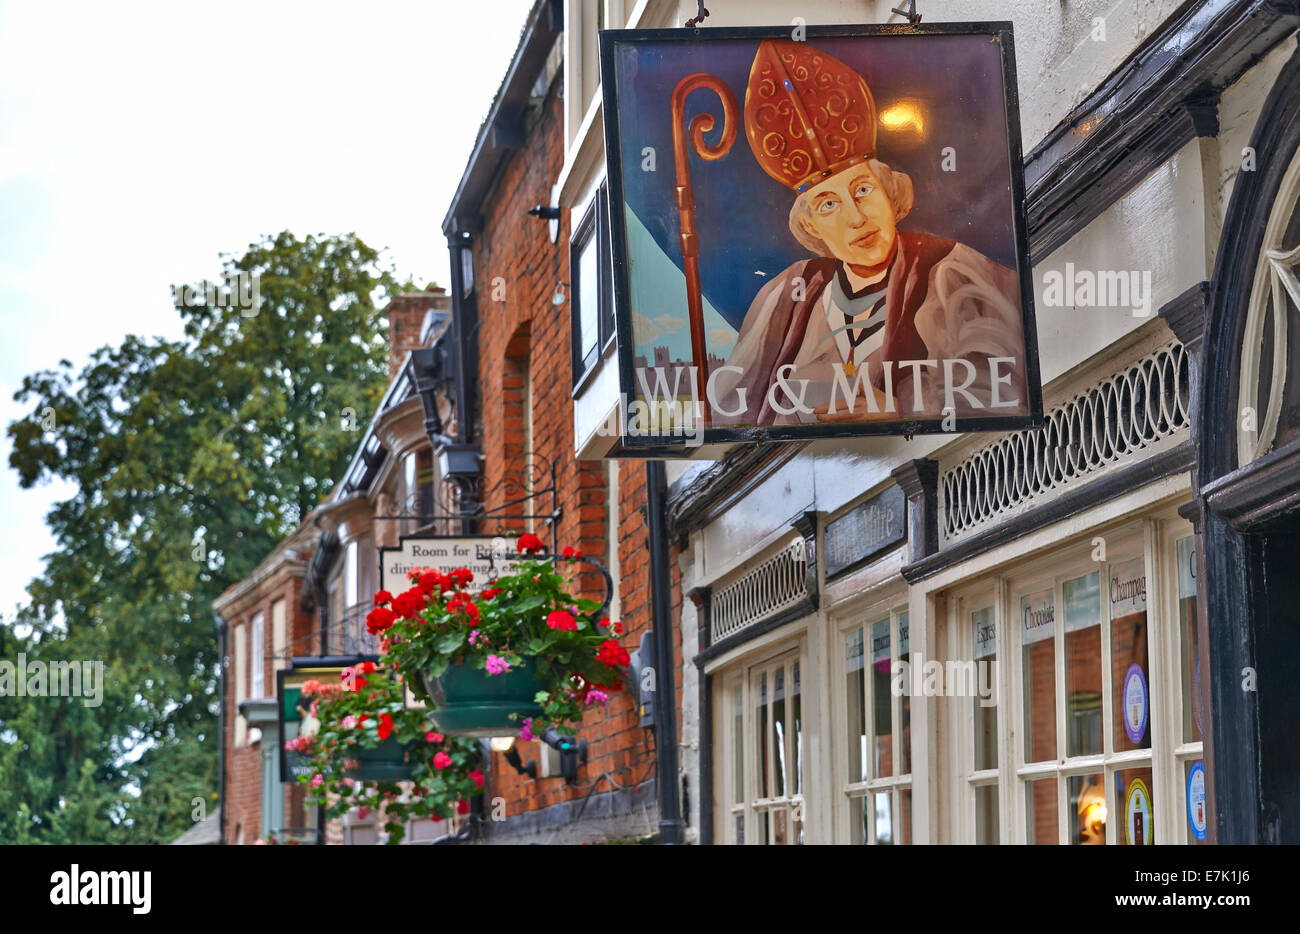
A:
(368, 667)
(441, 760)
(612, 654)
(461, 576)
(489, 593)
(409, 603)
(571, 552)
(383, 597)
(379, 619)
(478, 777)
(562, 620)
(385, 725)
(462, 807)
(530, 543)
(429, 579)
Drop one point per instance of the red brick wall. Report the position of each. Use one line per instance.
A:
(243, 803)
(517, 269)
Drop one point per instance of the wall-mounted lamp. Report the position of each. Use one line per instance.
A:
(545, 212)
(458, 461)
(573, 752)
(506, 746)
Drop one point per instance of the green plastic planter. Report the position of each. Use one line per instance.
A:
(470, 702)
(387, 762)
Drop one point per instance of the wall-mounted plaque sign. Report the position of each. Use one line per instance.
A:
(867, 529)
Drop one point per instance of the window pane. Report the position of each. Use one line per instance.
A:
(780, 829)
(859, 824)
(1082, 600)
(1189, 640)
(761, 720)
(780, 754)
(856, 698)
(984, 639)
(1038, 639)
(588, 294)
(796, 727)
(1042, 826)
(881, 697)
(740, 829)
(1133, 807)
(905, 713)
(1128, 646)
(1087, 808)
(884, 818)
(738, 747)
(1196, 807)
(986, 814)
(905, 816)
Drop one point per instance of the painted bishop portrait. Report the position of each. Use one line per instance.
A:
(880, 321)
(821, 285)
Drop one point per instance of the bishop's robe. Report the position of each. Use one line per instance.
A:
(942, 300)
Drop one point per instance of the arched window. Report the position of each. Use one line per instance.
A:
(1268, 389)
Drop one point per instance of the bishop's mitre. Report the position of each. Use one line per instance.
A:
(808, 115)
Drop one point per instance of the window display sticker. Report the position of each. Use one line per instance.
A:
(1135, 703)
(1196, 799)
(1137, 813)
(1128, 587)
(1038, 617)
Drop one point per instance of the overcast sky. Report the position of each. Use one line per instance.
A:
(139, 141)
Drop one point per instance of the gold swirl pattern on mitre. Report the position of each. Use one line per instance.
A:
(806, 112)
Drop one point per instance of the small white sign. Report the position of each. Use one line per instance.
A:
(486, 556)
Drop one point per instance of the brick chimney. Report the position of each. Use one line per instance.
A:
(406, 319)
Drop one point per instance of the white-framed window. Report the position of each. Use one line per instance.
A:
(762, 751)
(875, 765)
(1188, 721)
(279, 635)
(257, 655)
(241, 683)
(1096, 739)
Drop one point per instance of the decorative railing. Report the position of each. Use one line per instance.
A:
(776, 584)
(1137, 409)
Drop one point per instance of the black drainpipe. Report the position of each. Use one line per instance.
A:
(221, 724)
(671, 826)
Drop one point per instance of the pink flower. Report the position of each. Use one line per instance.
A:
(496, 665)
(363, 812)
(349, 782)
(473, 636)
(596, 697)
(478, 777)
(441, 760)
(432, 737)
(526, 731)
(349, 722)
(317, 780)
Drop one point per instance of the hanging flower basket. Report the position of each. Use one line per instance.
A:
(468, 701)
(374, 753)
(390, 761)
(522, 655)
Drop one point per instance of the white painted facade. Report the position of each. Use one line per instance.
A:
(1169, 224)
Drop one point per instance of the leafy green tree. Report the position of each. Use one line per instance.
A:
(191, 459)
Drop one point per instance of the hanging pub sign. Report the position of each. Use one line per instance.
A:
(297, 724)
(818, 232)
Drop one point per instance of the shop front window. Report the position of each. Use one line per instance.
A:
(764, 723)
(1092, 708)
(878, 764)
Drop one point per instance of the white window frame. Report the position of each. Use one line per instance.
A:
(898, 784)
(257, 655)
(754, 808)
(991, 595)
(1153, 538)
